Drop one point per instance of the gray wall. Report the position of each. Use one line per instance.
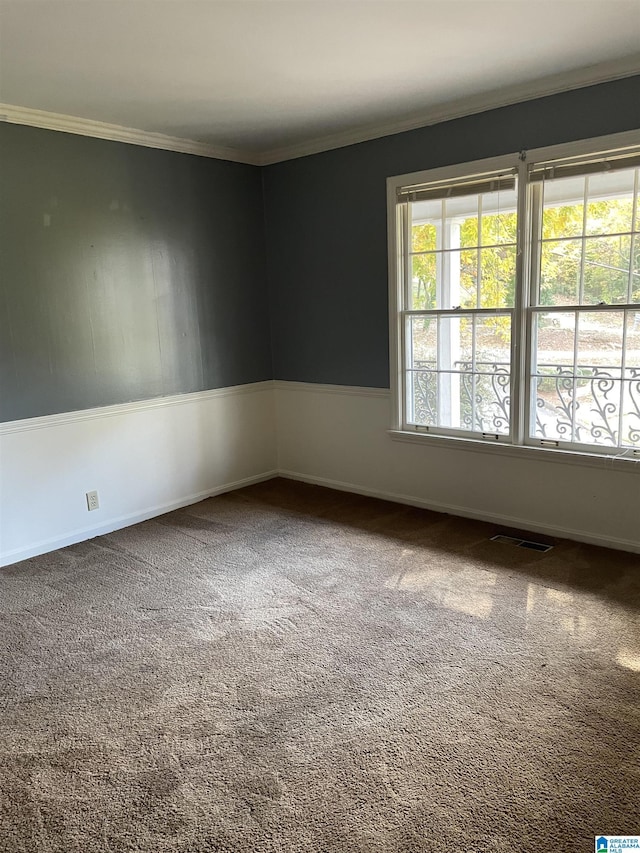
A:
(128, 273)
(326, 225)
(125, 273)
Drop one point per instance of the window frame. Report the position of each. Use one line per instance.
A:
(517, 442)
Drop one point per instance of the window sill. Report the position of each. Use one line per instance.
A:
(542, 454)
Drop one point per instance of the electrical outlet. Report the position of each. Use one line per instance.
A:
(92, 501)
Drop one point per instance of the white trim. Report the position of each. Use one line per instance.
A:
(349, 390)
(13, 114)
(506, 96)
(503, 97)
(46, 421)
(394, 244)
(465, 512)
(600, 461)
(84, 533)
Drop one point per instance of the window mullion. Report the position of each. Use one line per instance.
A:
(634, 225)
(521, 348)
(479, 257)
(576, 328)
(535, 233)
(473, 373)
(405, 342)
(574, 402)
(623, 371)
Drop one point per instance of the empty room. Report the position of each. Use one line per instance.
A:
(319, 426)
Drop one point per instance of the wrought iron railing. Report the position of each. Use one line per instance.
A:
(590, 404)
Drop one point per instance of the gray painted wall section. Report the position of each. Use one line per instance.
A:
(326, 224)
(126, 273)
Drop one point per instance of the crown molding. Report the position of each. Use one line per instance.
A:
(506, 96)
(13, 114)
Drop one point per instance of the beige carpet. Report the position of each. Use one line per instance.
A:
(288, 668)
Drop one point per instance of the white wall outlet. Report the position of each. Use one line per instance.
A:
(92, 501)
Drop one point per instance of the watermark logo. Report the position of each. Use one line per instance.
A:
(617, 843)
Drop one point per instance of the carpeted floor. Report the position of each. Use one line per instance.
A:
(288, 668)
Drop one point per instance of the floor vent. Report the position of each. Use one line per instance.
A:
(521, 543)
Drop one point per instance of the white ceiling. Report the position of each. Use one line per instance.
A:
(267, 75)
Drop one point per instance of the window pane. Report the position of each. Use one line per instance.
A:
(596, 268)
(468, 287)
(444, 257)
(426, 225)
(442, 343)
(583, 409)
(563, 212)
(422, 340)
(560, 264)
(610, 202)
(498, 277)
(630, 430)
(578, 394)
(630, 433)
(456, 339)
(444, 280)
(449, 386)
(469, 235)
(600, 343)
(422, 396)
(552, 406)
(491, 392)
(423, 282)
(632, 352)
(606, 269)
(598, 371)
(474, 402)
(554, 340)
(423, 238)
(492, 339)
(457, 272)
(437, 399)
(499, 219)
(597, 408)
(492, 343)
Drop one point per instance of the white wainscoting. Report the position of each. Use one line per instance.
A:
(144, 459)
(338, 437)
(151, 457)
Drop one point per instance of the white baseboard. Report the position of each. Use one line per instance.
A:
(85, 533)
(330, 437)
(465, 512)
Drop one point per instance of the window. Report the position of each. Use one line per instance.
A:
(515, 295)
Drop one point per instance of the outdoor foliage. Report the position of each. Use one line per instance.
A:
(606, 258)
